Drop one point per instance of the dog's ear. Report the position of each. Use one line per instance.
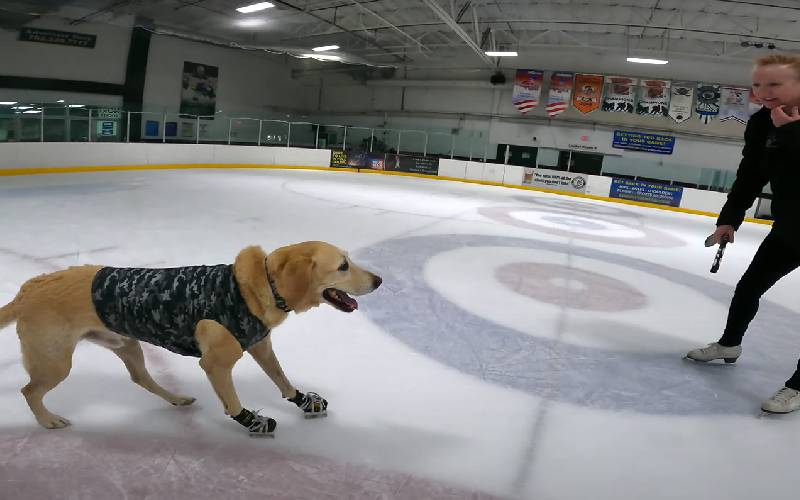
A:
(295, 279)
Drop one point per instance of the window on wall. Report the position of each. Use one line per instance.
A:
(582, 163)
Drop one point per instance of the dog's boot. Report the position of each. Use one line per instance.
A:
(257, 425)
(715, 351)
(312, 404)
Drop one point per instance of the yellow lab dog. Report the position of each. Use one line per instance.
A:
(215, 313)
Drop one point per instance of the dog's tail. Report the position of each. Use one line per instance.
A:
(8, 313)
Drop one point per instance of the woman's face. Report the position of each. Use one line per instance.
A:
(776, 85)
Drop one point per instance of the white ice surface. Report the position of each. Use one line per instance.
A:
(396, 411)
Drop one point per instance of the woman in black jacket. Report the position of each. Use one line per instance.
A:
(771, 154)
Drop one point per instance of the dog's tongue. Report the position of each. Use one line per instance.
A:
(350, 301)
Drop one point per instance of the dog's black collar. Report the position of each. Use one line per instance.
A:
(279, 301)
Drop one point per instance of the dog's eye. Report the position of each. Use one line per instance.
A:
(344, 267)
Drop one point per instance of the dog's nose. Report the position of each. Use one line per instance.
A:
(376, 281)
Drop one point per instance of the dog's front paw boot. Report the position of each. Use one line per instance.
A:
(257, 425)
(312, 404)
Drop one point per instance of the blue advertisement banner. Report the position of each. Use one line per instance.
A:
(647, 192)
(638, 141)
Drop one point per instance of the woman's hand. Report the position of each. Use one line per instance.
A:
(780, 117)
(722, 232)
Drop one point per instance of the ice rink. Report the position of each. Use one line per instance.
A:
(523, 345)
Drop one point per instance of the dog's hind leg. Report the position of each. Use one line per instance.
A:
(131, 354)
(48, 360)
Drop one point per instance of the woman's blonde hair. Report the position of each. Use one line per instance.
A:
(780, 60)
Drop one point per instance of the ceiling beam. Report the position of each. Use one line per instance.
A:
(457, 29)
(422, 48)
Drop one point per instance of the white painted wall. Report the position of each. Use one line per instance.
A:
(72, 154)
(106, 62)
(54, 155)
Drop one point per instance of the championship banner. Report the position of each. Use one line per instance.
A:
(680, 104)
(619, 94)
(707, 101)
(588, 92)
(527, 88)
(653, 98)
(560, 92)
(735, 104)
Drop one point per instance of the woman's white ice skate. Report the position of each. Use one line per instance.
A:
(715, 351)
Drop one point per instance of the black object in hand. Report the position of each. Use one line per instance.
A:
(720, 252)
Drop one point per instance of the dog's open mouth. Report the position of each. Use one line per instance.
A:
(340, 300)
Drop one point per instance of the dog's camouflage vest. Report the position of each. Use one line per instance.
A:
(163, 306)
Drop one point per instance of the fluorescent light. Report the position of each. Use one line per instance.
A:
(7, 103)
(23, 107)
(32, 111)
(646, 61)
(321, 57)
(77, 105)
(501, 53)
(249, 23)
(325, 47)
(247, 9)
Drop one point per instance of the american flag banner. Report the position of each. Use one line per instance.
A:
(560, 92)
(527, 88)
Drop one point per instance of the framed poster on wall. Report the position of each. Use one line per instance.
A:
(199, 89)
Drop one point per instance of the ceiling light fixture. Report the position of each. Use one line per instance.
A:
(77, 105)
(8, 103)
(325, 47)
(321, 57)
(247, 9)
(646, 61)
(251, 23)
(501, 53)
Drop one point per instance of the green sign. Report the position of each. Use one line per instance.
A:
(106, 129)
(57, 37)
(108, 114)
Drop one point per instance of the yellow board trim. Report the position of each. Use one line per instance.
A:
(118, 168)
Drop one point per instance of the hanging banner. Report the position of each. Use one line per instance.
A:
(735, 104)
(707, 102)
(527, 88)
(560, 92)
(680, 104)
(653, 98)
(619, 94)
(588, 92)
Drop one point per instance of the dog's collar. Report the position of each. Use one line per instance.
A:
(279, 301)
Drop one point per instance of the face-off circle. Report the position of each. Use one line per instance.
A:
(408, 308)
(581, 226)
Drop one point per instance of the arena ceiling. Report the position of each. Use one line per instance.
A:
(451, 33)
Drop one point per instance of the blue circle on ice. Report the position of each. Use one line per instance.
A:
(654, 383)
